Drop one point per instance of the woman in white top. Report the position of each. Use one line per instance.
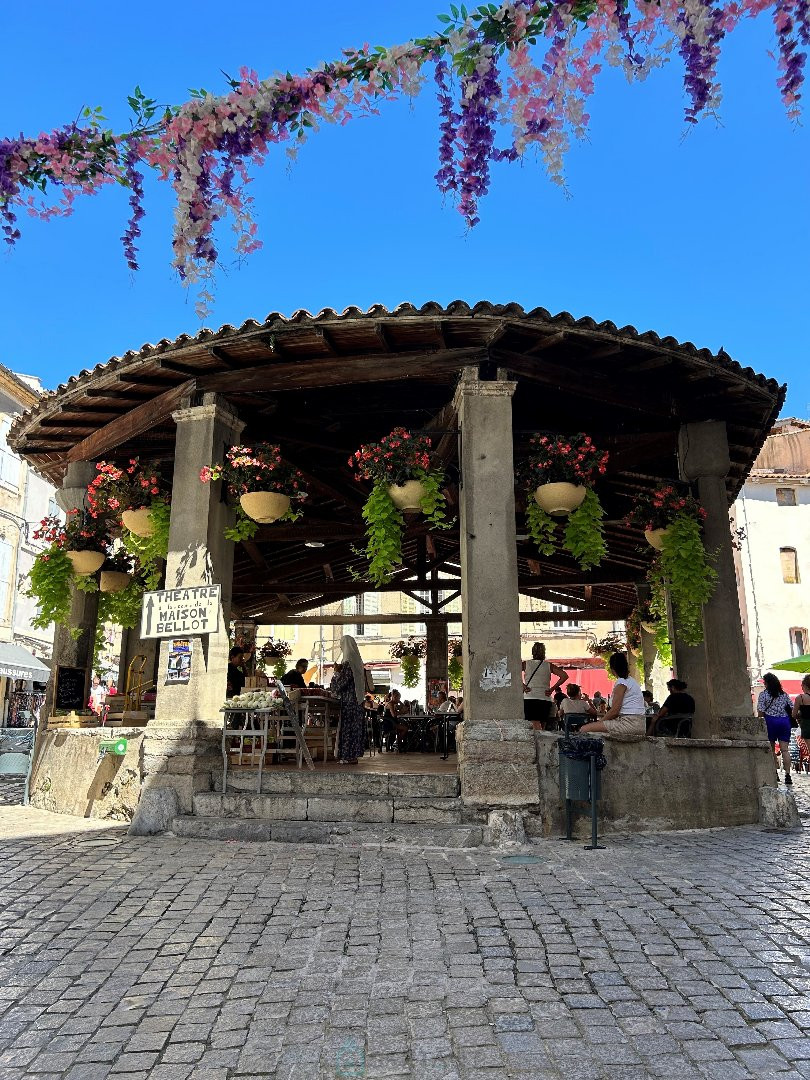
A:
(626, 713)
(537, 689)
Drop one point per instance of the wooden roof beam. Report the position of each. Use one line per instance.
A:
(130, 424)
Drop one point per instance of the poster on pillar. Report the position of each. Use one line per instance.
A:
(434, 688)
(170, 613)
(178, 662)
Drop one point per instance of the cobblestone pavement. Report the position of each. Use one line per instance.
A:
(685, 955)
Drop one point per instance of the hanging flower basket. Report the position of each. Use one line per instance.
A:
(263, 484)
(399, 468)
(649, 626)
(111, 581)
(86, 562)
(138, 521)
(560, 498)
(264, 506)
(559, 475)
(408, 496)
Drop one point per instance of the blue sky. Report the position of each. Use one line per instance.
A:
(704, 237)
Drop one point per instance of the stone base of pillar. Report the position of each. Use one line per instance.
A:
(497, 770)
(178, 761)
(739, 727)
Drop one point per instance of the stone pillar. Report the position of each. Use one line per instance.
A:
(436, 658)
(181, 744)
(497, 752)
(704, 458)
(68, 652)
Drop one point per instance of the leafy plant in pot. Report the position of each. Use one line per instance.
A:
(409, 653)
(399, 467)
(263, 485)
(559, 475)
(683, 568)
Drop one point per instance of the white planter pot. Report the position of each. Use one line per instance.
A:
(86, 562)
(650, 627)
(265, 506)
(113, 581)
(407, 496)
(559, 498)
(655, 537)
(138, 522)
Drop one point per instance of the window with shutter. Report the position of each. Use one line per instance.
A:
(790, 566)
(9, 463)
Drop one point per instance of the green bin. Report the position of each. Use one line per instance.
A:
(575, 779)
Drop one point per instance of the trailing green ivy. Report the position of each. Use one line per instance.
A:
(244, 528)
(658, 613)
(455, 672)
(49, 584)
(689, 575)
(542, 527)
(583, 537)
(151, 551)
(410, 670)
(384, 524)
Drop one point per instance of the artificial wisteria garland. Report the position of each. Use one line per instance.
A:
(206, 147)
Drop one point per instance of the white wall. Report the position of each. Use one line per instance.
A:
(773, 606)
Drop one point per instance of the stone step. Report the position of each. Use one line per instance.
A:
(342, 782)
(342, 834)
(383, 809)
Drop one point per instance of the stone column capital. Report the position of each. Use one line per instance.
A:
(703, 450)
(478, 388)
(213, 408)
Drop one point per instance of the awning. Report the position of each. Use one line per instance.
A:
(18, 663)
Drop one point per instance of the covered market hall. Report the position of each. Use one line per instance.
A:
(480, 380)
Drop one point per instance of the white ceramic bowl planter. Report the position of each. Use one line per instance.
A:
(559, 498)
(655, 537)
(407, 496)
(138, 521)
(113, 581)
(86, 562)
(265, 506)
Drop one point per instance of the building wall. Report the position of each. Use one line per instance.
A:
(25, 498)
(773, 607)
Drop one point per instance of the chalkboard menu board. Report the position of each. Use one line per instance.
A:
(70, 683)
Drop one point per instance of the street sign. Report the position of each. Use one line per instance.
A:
(117, 747)
(180, 612)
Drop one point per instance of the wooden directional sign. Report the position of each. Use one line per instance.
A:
(181, 612)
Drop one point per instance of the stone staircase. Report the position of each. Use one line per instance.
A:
(335, 806)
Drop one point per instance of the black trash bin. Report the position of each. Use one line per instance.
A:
(581, 763)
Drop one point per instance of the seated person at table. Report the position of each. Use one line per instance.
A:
(391, 722)
(295, 676)
(678, 703)
(576, 707)
(444, 704)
